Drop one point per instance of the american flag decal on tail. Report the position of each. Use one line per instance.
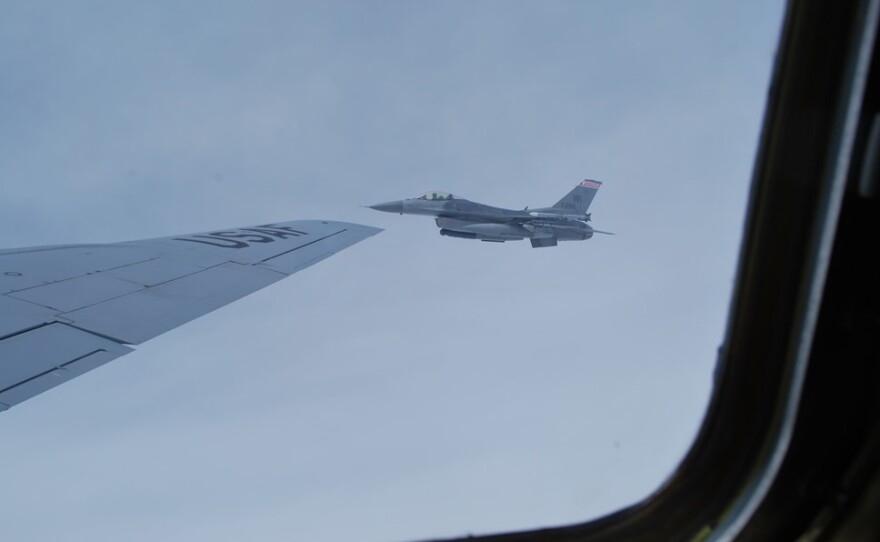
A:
(590, 184)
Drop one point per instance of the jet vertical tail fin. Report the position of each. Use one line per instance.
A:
(578, 200)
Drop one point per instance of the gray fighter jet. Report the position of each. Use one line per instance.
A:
(544, 227)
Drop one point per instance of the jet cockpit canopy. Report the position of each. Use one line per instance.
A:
(436, 196)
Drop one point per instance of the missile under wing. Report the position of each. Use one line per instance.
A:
(65, 310)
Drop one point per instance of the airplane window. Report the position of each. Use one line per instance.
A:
(418, 385)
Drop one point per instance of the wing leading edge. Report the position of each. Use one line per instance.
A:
(65, 310)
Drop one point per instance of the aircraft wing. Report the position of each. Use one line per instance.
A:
(65, 310)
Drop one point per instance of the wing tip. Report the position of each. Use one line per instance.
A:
(367, 231)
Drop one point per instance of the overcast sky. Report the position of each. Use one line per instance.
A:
(412, 386)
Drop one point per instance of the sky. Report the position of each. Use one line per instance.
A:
(413, 386)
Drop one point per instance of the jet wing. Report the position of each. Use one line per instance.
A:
(65, 310)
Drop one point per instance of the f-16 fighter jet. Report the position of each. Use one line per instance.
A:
(544, 227)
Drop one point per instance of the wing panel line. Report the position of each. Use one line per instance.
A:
(143, 287)
(305, 245)
(25, 329)
(79, 276)
(199, 270)
(44, 373)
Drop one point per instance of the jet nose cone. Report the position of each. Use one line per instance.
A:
(389, 207)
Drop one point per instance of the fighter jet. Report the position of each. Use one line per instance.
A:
(465, 219)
